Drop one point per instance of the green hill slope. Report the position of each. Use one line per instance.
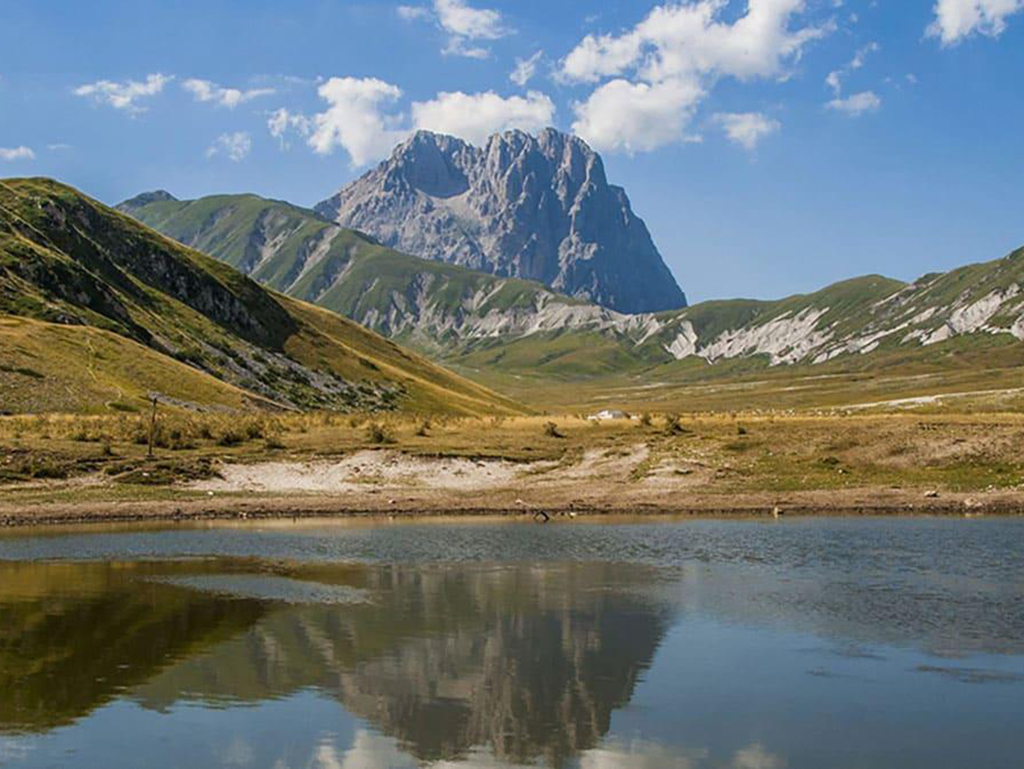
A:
(199, 330)
(498, 329)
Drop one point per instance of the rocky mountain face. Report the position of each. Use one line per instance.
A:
(538, 208)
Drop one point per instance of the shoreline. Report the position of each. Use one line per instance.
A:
(862, 502)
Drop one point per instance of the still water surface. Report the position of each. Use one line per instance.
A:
(740, 644)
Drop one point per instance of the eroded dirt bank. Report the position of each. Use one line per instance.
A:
(390, 483)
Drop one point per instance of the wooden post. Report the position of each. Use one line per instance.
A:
(152, 428)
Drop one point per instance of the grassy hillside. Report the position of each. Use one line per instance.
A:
(528, 341)
(191, 324)
(294, 251)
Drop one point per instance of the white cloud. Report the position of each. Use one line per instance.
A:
(59, 147)
(463, 24)
(282, 122)
(235, 145)
(16, 153)
(413, 12)
(640, 754)
(361, 118)
(857, 104)
(353, 120)
(756, 757)
(637, 117)
(747, 128)
(476, 116)
(204, 90)
(457, 18)
(666, 64)
(956, 20)
(123, 96)
(681, 40)
(525, 69)
(834, 79)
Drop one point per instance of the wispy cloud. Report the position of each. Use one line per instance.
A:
(235, 145)
(16, 153)
(834, 79)
(857, 104)
(282, 122)
(124, 96)
(525, 69)
(207, 91)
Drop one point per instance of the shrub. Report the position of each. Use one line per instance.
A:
(378, 433)
(551, 430)
(230, 438)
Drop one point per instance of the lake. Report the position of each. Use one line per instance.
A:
(816, 642)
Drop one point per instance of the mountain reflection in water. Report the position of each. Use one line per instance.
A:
(528, 661)
(840, 643)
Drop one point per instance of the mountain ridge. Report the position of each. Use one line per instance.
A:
(475, 320)
(70, 263)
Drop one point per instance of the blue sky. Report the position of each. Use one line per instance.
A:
(772, 147)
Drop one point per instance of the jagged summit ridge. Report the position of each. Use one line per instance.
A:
(534, 207)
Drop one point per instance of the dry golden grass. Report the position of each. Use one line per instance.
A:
(713, 452)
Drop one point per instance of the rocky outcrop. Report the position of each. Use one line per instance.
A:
(538, 208)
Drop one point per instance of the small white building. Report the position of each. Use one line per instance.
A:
(608, 414)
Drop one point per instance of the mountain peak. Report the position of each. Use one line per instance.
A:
(144, 199)
(535, 207)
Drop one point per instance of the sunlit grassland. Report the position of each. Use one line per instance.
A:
(104, 458)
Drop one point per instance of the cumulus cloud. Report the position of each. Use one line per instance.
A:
(525, 69)
(235, 145)
(464, 25)
(663, 68)
(857, 104)
(124, 96)
(747, 128)
(361, 117)
(476, 116)
(681, 40)
(956, 20)
(16, 153)
(354, 120)
(206, 91)
(637, 117)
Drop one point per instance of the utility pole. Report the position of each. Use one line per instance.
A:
(152, 427)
